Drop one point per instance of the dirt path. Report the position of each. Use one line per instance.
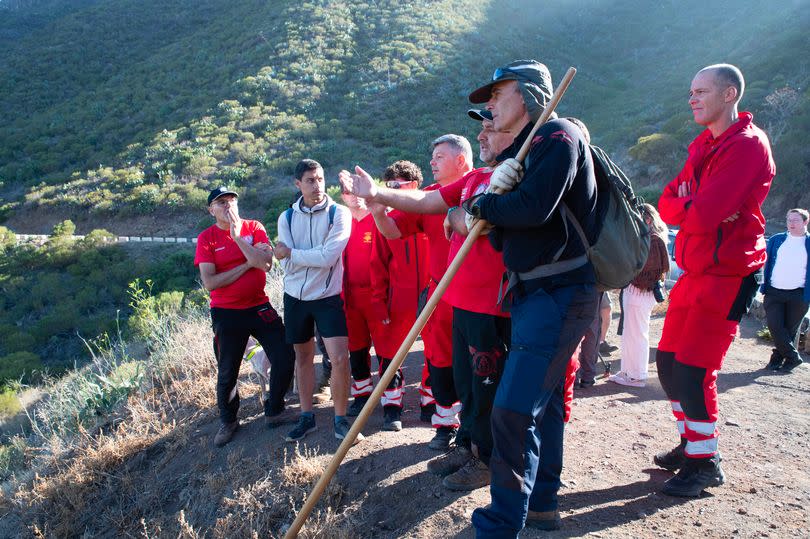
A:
(171, 482)
(610, 483)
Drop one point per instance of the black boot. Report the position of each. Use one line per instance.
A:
(791, 364)
(444, 437)
(357, 406)
(391, 418)
(695, 476)
(776, 361)
(673, 459)
(426, 413)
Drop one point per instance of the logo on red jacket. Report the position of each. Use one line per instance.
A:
(485, 363)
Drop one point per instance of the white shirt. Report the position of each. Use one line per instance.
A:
(790, 266)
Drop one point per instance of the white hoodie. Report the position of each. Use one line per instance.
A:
(314, 269)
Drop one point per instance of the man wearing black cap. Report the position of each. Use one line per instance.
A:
(552, 292)
(233, 256)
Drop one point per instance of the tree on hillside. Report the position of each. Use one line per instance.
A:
(781, 105)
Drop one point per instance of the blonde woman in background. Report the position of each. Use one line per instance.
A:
(637, 304)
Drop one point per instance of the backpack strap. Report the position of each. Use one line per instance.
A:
(568, 215)
(332, 210)
(288, 213)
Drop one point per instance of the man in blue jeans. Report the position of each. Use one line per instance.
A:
(551, 287)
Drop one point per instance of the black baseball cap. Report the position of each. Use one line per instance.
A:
(220, 191)
(480, 114)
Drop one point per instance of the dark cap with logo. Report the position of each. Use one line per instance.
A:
(220, 191)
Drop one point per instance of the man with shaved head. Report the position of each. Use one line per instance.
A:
(716, 201)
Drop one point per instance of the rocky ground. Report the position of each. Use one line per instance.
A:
(160, 475)
(611, 486)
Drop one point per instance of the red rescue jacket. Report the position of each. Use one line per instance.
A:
(399, 271)
(727, 175)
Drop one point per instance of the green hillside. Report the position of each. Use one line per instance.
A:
(121, 109)
(57, 296)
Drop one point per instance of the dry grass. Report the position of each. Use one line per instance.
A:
(142, 469)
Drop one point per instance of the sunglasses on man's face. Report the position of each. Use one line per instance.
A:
(396, 184)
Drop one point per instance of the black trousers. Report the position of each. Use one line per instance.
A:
(784, 310)
(480, 345)
(232, 328)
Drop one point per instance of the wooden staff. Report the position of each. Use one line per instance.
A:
(405, 347)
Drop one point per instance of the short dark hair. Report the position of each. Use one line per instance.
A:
(305, 165)
(728, 75)
(801, 211)
(406, 170)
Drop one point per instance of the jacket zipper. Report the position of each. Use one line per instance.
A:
(306, 272)
(416, 260)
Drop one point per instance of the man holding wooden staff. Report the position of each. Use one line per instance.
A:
(551, 289)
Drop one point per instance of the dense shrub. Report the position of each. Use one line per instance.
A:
(19, 366)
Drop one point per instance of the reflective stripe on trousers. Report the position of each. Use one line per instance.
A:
(362, 388)
(392, 397)
(677, 411)
(446, 417)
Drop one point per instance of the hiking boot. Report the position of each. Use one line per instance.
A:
(391, 418)
(306, 424)
(606, 349)
(790, 364)
(357, 406)
(225, 433)
(273, 420)
(585, 384)
(673, 459)
(474, 474)
(444, 435)
(342, 429)
(449, 462)
(693, 477)
(426, 413)
(625, 379)
(544, 520)
(775, 362)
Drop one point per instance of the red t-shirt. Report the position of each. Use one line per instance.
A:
(356, 256)
(476, 285)
(433, 227)
(215, 246)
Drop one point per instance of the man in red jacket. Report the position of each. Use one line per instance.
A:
(452, 159)
(716, 201)
(382, 280)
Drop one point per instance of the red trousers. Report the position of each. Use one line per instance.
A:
(701, 322)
